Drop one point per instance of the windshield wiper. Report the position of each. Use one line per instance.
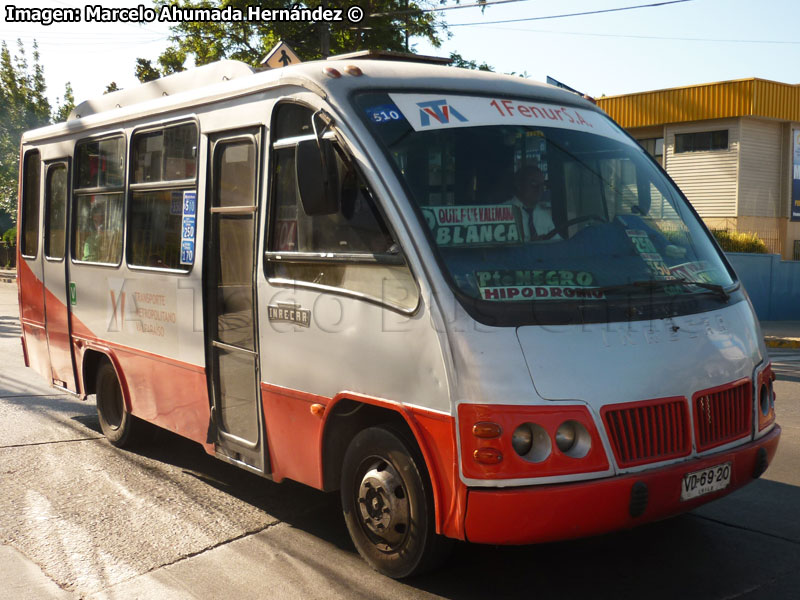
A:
(653, 284)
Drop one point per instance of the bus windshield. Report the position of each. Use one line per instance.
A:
(529, 202)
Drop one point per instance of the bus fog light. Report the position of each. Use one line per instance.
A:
(573, 439)
(531, 442)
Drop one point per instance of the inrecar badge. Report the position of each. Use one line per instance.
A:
(289, 314)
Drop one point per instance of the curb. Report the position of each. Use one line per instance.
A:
(4, 279)
(779, 342)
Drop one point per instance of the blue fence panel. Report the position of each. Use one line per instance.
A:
(773, 284)
(756, 273)
(785, 297)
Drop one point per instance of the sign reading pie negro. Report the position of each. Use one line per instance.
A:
(474, 225)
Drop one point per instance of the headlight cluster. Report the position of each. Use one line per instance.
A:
(528, 441)
(766, 397)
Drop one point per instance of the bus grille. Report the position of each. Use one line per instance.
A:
(722, 415)
(646, 432)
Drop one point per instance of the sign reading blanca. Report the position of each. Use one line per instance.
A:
(473, 225)
(537, 285)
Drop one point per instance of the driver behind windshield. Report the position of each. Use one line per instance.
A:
(534, 203)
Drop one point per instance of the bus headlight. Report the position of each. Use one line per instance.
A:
(531, 442)
(522, 440)
(765, 400)
(573, 439)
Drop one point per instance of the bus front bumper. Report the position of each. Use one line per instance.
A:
(558, 512)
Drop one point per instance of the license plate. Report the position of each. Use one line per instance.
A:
(700, 483)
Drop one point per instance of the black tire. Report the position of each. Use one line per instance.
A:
(115, 420)
(388, 504)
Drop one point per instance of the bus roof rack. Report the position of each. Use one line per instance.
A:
(197, 77)
(392, 55)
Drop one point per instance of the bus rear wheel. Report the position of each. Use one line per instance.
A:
(115, 420)
(388, 504)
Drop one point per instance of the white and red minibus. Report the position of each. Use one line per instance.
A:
(469, 302)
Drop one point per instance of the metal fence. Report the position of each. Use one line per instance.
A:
(772, 236)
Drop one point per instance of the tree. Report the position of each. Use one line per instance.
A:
(460, 61)
(111, 87)
(23, 106)
(145, 71)
(65, 107)
(387, 25)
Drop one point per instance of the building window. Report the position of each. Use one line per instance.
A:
(654, 147)
(701, 141)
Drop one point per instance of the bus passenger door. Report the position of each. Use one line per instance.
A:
(54, 275)
(230, 299)
(30, 278)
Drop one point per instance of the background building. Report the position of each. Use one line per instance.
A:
(732, 147)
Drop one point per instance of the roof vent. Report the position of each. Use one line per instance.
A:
(166, 86)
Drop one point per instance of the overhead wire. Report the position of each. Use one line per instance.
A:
(565, 15)
(416, 11)
(646, 37)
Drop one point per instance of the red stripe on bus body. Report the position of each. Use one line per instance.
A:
(296, 440)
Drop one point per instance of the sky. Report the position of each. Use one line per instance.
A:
(678, 44)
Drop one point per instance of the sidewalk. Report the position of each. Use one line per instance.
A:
(22, 579)
(8, 275)
(781, 334)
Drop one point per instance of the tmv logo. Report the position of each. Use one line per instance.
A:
(439, 110)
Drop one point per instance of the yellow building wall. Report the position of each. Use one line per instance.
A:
(708, 179)
(760, 168)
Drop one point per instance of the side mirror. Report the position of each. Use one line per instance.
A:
(317, 177)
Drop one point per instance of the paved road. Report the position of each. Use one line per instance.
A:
(82, 519)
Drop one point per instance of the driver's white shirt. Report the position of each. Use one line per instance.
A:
(542, 219)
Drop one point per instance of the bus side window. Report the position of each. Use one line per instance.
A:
(56, 211)
(368, 261)
(29, 230)
(97, 227)
(163, 176)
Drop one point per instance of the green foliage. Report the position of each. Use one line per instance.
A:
(460, 61)
(10, 237)
(64, 107)
(23, 106)
(171, 61)
(145, 71)
(111, 87)
(734, 241)
(387, 25)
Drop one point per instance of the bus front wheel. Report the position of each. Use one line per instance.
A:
(115, 421)
(388, 504)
